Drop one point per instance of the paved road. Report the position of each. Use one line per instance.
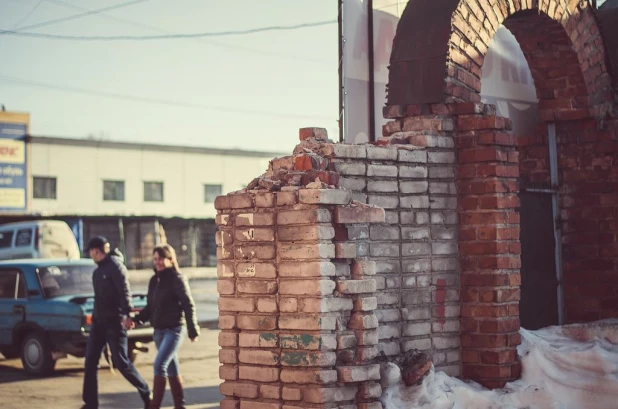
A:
(199, 366)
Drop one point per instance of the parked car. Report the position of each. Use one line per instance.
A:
(37, 239)
(46, 312)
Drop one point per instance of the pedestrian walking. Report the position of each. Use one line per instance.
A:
(110, 322)
(169, 309)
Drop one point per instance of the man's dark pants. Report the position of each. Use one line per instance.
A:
(115, 335)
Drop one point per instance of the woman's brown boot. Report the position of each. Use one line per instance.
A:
(178, 394)
(158, 390)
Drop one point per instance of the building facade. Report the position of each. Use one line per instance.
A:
(137, 195)
(100, 178)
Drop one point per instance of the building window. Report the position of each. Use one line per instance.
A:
(153, 191)
(211, 192)
(113, 190)
(44, 187)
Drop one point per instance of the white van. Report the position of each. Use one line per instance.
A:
(38, 239)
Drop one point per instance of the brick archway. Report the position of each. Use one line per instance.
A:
(443, 64)
(435, 71)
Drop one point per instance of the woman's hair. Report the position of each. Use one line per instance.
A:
(167, 251)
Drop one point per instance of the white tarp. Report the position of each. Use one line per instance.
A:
(570, 367)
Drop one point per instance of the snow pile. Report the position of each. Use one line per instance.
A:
(577, 364)
(570, 367)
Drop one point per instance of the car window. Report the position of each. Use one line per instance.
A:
(24, 238)
(6, 239)
(66, 280)
(22, 291)
(8, 284)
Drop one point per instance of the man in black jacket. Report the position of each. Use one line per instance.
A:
(110, 322)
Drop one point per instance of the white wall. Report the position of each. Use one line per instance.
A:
(80, 171)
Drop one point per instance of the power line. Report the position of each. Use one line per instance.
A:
(68, 18)
(24, 18)
(201, 40)
(126, 97)
(169, 36)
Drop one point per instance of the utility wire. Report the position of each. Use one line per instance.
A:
(201, 40)
(126, 97)
(68, 18)
(24, 18)
(169, 36)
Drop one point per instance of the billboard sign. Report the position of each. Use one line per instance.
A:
(365, 69)
(506, 79)
(13, 163)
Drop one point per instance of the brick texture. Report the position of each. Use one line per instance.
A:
(341, 252)
(282, 305)
(561, 40)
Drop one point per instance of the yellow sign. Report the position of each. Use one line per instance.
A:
(12, 151)
(12, 198)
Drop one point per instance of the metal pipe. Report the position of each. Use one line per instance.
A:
(123, 243)
(341, 84)
(372, 85)
(533, 190)
(553, 162)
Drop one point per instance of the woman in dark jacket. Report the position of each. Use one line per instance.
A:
(169, 306)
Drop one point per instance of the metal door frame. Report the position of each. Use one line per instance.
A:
(554, 191)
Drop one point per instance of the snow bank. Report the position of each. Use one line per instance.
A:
(570, 367)
(577, 364)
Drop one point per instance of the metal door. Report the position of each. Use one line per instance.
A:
(541, 303)
(538, 307)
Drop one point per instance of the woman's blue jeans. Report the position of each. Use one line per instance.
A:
(168, 342)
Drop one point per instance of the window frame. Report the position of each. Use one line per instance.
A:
(30, 243)
(21, 279)
(124, 190)
(11, 240)
(154, 182)
(206, 185)
(47, 178)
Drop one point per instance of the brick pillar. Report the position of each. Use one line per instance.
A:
(489, 244)
(296, 312)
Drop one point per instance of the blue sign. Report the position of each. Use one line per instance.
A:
(13, 167)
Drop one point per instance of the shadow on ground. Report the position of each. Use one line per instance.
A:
(9, 374)
(195, 398)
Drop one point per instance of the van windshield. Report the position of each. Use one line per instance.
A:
(66, 280)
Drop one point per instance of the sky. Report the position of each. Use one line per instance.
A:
(245, 91)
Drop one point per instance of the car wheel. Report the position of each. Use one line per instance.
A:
(36, 355)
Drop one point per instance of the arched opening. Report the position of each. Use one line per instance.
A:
(532, 75)
(509, 174)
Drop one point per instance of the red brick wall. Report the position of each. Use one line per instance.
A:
(565, 50)
(488, 232)
(588, 161)
(286, 246)
(296, 305)
(560, 39)
(534, 158)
